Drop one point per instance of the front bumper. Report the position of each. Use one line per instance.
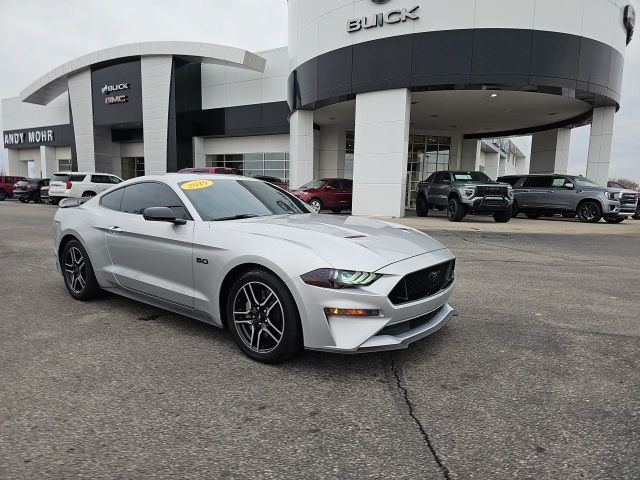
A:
(488, 204)
(344, 334)
(617, 209)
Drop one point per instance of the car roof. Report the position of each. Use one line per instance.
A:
(85, 173)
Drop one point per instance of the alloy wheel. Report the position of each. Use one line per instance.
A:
(316, 205)
(75, 270)
(589, 212)
(258, 317)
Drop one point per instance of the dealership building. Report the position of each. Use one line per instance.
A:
(382, 91)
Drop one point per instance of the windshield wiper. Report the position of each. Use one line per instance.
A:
(236, 217)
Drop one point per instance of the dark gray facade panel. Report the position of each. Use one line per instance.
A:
(63, 136)
(126, 113)
(510, 59)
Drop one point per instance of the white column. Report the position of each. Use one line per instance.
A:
(492, 164)
(455, 154)
(333, 144)
(13, 157)
(156, 86)
(199, 158)
(381, 149)
(550, 151)
(301, 148)
(470, 155)
(600, 143)
(82, 111)
(48, 163)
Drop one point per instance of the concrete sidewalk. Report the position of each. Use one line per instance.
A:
(437, 221)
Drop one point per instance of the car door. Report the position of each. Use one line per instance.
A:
(535, 192)
(331, 195)
(347, 193)
(564, 194)
(153, 258)
(439, 190)
(101, 182)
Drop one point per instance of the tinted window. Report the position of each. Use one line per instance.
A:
(313, 184)
(10, 180)
(100, 178)
(510, 180)
(77, 178)
(336, 184)
(226, 199)
(137, 198)
(471, 177)
(112, 200)
(538, 182)
(60, 178)
(347, 184)
(561, 182)
(115, 180)
(438, 178)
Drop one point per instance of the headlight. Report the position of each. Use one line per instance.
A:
(330, 278)
(510, 192)
(469, 191)
(611, 195)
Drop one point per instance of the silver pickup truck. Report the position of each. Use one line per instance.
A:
(462, 193)
(571, 196)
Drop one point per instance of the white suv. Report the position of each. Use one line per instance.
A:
(79, 184)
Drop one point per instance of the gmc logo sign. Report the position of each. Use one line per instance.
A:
(116, 99)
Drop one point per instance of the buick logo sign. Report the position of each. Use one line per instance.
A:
(400, 15)
(107, 89)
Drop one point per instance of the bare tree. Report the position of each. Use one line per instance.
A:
(625, 182)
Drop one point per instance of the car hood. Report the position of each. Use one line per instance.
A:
(349, 243)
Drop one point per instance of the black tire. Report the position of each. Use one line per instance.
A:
(636, 216)
(455, 211)
(88, 194)
(316, 204)
(504, 216)
(37, 198)
(533, 216)
(3, 195)
(589, 212)
(422, 207)
(24, 199)
(54, 201)
(614, 220)
(283, 337)
(336, 210)
(73, 267)
(514, 210)
(568, 215)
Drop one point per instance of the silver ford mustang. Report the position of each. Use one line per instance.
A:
(240, 253)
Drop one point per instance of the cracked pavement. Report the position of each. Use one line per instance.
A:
(539, 376)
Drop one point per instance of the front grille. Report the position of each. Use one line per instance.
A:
(630, 198)
(404, 327)
(484, 191)
(423, 283)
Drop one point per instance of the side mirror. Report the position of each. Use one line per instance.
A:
(328, 187)
(162, 214)
(569, 186)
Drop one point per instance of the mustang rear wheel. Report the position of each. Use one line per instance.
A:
(78, 273)
(263, 317)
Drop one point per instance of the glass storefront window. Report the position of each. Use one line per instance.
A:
(65, 165)
(252, 164)
(427, 154)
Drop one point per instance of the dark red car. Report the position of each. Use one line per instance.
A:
(273, 181)
(333, 194)
(6, 185)
(213, 170)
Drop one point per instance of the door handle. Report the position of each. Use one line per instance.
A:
(114, 229)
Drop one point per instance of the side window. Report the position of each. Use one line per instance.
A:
(115, 180)
(10, 180)
(77, 178)
(337, 184)
(347, 184)
(560, 182)
(100, 179)
(140, 196)
(437, 180)
(446, 178)
(538, 182)
(113, 200)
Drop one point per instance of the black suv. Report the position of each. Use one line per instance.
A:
(29, 189)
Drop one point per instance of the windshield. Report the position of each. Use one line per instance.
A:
(314, 184)
(217, 200)
(585, 182)
(471, 177)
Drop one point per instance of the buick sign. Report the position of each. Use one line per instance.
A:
(379, 20)
(629, 21)
(107, 89)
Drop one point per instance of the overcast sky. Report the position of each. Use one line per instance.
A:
(39, 35)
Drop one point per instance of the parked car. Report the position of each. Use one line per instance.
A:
(242, 254)
(333, 194)
(273, 181)
(44, 193)
(213, 170)
(79, 184)
(571, 196)
(619, 186)
(29, 189)
(462, 193)
(6, 185)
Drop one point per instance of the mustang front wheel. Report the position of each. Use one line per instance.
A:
(263, 317)
(78, 272)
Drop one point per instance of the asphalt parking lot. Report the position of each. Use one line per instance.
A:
(539, 376)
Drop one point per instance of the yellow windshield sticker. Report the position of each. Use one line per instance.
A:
(196, 185)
